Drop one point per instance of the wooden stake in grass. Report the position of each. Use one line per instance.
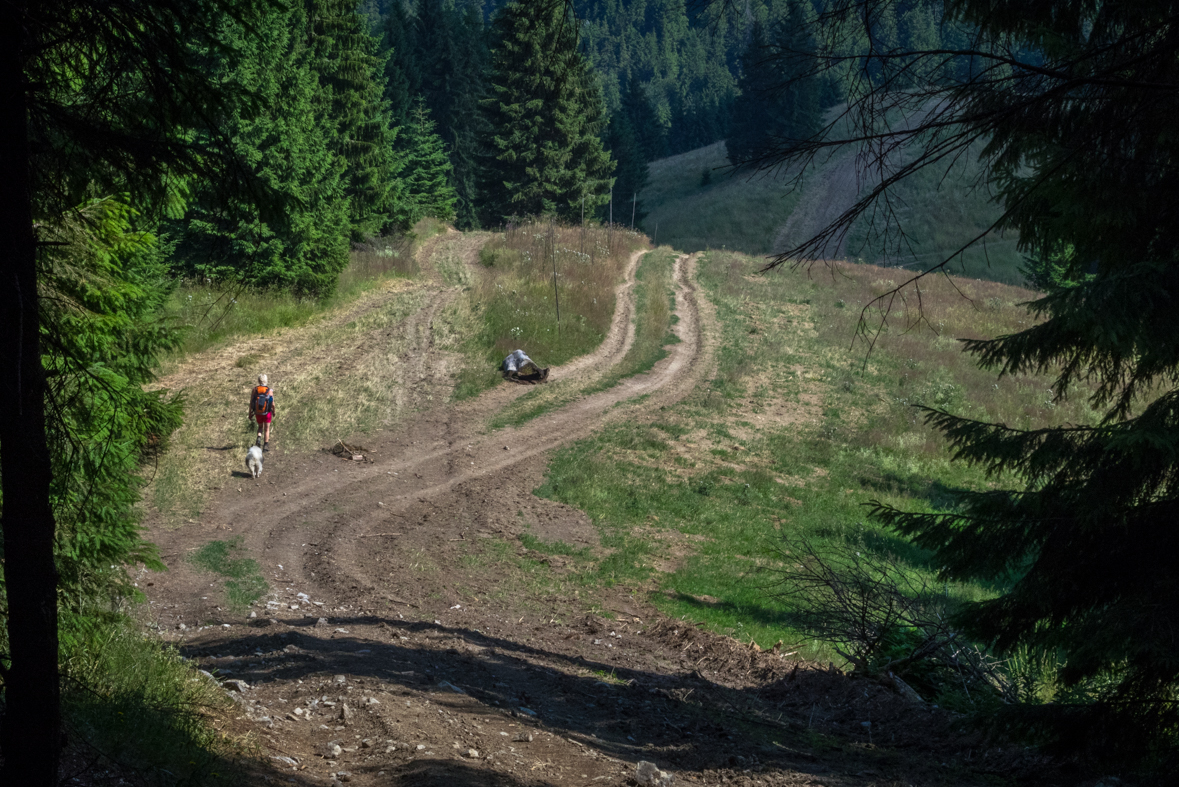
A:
(556, 294)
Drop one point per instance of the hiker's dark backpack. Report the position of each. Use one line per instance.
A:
(263, 400)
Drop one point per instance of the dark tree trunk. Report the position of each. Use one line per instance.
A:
(30, 738)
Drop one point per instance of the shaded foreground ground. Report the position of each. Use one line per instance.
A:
(409, 636)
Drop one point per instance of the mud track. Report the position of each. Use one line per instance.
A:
(390, 651)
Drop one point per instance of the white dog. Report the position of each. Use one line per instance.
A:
(254, 460)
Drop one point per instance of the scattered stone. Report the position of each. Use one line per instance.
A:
(648, 774)
(523, 737)
(236, 685)
(527, 711)
(290, 649)
(344, 776)
(371, 701)
(288, 760)
(331, 750)
(321, 622)
(442, 684)
(253, 615)
(181, 626)
(346, 712)
(472, 754)
(367, 743)
(421, 746)
(340, 679)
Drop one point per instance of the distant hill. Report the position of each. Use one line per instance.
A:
(698, 202)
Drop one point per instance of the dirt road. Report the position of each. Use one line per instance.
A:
(396, 648)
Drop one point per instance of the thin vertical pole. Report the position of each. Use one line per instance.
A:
(556, 294)
(634, 201)
(610, 236)
(654, 241)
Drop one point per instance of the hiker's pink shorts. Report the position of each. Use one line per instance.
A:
(264, 419)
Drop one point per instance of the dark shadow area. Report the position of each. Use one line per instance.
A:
(221, 448)
(777, 713)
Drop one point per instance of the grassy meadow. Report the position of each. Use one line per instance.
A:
(512, 303)
(695, 202)
(211, 314)
(698, 202)
(654, 318)
(799, 428)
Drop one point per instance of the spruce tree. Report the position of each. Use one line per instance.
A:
(399, 49)
(779, 102)
(281, 135)
(351, 73)
(452, 61)
(99, 96)
(428, 173)
(631, 174)
(547, 113)
(640, 114)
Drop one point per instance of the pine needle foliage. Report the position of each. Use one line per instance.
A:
(282, 136)
(427, 168)
(101, 283)
(547, 113)
(1074, 108)
(351, 73)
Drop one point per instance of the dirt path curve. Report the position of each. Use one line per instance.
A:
(402, 644)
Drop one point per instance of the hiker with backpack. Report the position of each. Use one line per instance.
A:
(262, 410)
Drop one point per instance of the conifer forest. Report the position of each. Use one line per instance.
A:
(860, 471)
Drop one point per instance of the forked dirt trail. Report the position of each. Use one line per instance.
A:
(396, 648)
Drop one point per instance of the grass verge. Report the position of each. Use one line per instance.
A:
(134, 706)
(654, 318)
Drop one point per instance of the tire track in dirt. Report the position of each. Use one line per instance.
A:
(421, 438)
(438, 696)
(484, 457)
(444, 447)
(440, 464)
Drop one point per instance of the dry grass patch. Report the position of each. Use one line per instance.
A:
(341, 373)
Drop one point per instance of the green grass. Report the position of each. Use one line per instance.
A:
(654, 318)
(795, 433)
(210, 315)
(733, 211)
(939, 214)
(244, 583)
(743, 212)
(514, 306)
(136, 702)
